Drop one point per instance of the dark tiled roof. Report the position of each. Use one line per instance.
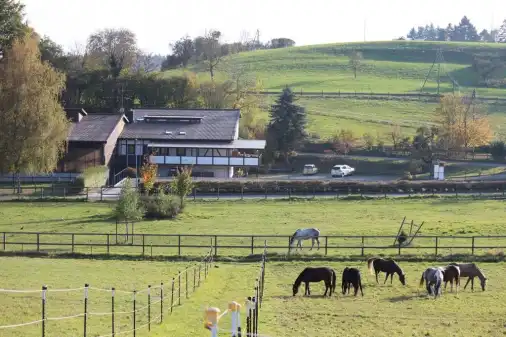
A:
(94, 128)
(216, 125)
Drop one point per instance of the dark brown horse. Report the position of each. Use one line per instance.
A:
(471, 271)
(310, 274)
(388, 266)
(451, 273)
(351, 276)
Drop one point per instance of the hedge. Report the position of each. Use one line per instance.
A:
(319, 186)
(93, 177)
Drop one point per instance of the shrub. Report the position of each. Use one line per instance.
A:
(161, 206)
(148, 172)
(498, 150)
(93, 177)
(131, 172)
(182, 184)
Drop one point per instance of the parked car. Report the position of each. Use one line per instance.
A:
(310, 169)
(342, 170)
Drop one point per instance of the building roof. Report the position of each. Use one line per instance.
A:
(211, 125)
(242, 144)
(94, 127)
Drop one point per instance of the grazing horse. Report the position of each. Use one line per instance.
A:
(305, 234)
(433, 277)
(310, 274)
(388, 266)
(471, 271)
(351, 276)
(451, 273)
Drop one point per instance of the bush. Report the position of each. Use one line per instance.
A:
(93, 177)
(161, 206)
(131, 172)
(498, 150)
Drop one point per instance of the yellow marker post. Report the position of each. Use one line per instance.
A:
(235, 308)
(211, 320)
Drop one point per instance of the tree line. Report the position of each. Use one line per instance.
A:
(463, 31)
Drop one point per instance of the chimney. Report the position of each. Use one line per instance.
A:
(129, 114)
(75, 114)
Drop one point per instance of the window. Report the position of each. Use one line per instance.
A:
(180, 151)
(131, 149)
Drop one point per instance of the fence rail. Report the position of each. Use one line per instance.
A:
(149, 244)
(377, 95)
(216, 189)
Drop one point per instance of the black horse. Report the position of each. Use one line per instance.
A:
(309, 274)
(351, 276)
(388, 266)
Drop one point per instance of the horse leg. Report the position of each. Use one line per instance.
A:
(429, 289)
(386, 278)
(468, 280)
(318, 242)
(377, 272)
(472, 284)
(391, 278)
(360, 285)
(312, 244)
(306, 289)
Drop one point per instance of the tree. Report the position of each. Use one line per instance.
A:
(355, 61)
(182, 184)
(486, 65)
(460, 123)
(343, 141)
(183, 50)
(11, 23)
(287, 126)
(281, 42)
(129, 206)
(113, 49)
(53, 53)
(368, 140)
(148, 173)
(395, 134)
(211, 52)
(501, 34)
(34, 127)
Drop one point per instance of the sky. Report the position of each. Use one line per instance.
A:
(157, 23)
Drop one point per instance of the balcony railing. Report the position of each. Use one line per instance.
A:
(192, 160)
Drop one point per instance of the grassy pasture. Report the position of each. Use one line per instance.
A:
(442, 216)
(385, 310)
(393, 66)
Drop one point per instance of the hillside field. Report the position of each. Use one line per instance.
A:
(387, 67)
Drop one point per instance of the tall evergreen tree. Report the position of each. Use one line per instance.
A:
(501, 34)
(287, 124)
(33, 127)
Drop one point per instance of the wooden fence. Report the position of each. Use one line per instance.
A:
(147, 244)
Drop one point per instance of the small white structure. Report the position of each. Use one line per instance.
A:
(439, 171)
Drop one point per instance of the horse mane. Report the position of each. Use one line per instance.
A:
(397, 267)
(298, 280)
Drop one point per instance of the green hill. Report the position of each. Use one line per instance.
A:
(388, 67)
(393, 66)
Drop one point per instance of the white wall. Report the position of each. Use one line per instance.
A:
(223, 172)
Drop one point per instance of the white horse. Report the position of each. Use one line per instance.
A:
(305, 234)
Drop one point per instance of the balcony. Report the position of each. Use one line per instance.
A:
(246, 160)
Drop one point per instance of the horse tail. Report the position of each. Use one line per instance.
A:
(333, 281)
(422, 279)
(370, 264)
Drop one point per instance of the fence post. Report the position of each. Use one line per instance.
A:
(4, 235)
(215, 248)
(363, 239)
(252, 244)
(112, 311)
(194, 279)
(38, 241)
(134, 313)
(186, 281)
(179, 245)
(73, 242)
(143, 246)
(179, 288)
(200, 269)
(149, 307)
(102, 199)
(326, 244)
(437, 242)
(44, 290)
(161, 302)
(85, 307)
(109, 243)
(472, 246)
(172, 296)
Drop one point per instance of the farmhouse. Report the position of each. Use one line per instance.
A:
(92, 139)
(208, 140)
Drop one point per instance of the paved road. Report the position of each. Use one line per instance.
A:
(462, 162)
